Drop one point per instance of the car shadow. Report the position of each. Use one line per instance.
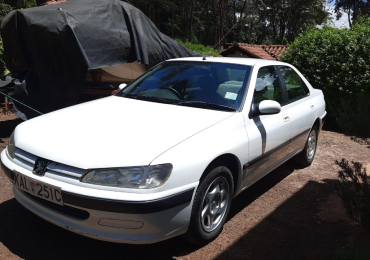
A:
(294, 230)
(259, 188)
(30, 237)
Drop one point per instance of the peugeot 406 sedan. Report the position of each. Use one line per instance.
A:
(166, 155)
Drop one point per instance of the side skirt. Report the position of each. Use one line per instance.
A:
(295, 144)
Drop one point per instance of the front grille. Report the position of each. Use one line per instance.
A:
(27, 160)
(67, 210)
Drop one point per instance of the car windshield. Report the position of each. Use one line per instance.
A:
(209, 85)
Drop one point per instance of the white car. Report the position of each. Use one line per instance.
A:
(168, 153)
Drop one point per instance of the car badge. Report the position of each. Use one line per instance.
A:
(40, 166)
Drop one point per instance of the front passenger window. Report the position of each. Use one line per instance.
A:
(268, 86)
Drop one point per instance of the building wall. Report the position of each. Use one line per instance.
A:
(238, 54)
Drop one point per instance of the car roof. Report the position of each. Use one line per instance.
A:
(241, 61)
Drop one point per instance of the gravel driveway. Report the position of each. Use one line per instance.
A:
(290, 214)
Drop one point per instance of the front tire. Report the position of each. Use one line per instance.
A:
(211, 206)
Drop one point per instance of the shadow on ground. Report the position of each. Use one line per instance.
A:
(294, 229)
(30, 237)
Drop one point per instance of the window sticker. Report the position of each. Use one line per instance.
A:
(230, 95)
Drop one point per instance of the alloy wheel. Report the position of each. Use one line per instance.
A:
(214, 204)
(311, 145)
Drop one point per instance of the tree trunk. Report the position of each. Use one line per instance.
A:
(241, 18)
(172, 23)
(191, 22)
(349, 18)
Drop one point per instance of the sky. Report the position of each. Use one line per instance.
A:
(343, 21)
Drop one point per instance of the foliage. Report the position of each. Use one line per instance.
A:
(251, 21)
(352, 251)
(30, 3)
(351, 114)
(336, 60)
(199, 48)
(4, 9)
(354, 189)
(353, 8)
(2, 63)
(277, 20)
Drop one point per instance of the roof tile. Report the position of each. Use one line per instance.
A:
(268, 52)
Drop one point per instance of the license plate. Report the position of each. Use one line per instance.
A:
(38, 188)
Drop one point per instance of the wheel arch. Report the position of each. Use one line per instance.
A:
(318, 124)
(230, 161)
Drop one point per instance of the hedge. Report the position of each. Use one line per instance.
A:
(337, 61)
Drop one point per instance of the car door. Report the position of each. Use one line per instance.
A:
(299, 107)
(268, 135)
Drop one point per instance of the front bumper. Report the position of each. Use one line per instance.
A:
(122, 221)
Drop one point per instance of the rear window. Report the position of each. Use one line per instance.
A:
(295, 86)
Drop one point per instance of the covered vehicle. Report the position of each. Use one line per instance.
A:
(53, 52)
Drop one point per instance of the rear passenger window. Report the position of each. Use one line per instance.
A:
(268, 86)
(295, 86)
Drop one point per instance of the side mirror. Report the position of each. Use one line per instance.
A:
(122, 86)
(265, 107)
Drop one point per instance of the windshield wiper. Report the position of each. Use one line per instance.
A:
(202, 104)
(149, 98)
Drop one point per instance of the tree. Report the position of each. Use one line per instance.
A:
(280, 19)
(353, 9)
(4, 9)
(252, 21)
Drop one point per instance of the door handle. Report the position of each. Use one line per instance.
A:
(286, 117)
(312, 106)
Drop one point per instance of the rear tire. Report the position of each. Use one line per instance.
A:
(211, 206)
(305, 158)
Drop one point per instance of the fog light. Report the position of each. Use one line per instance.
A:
(117, 223)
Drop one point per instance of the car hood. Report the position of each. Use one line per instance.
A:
(112, 132)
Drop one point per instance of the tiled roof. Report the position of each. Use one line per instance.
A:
(268, 52)
(53, 2)
(275, 50)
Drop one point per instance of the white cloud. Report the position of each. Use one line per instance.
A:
(343, 21)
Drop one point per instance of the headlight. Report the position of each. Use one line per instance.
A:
(11, 146)
(145, 177)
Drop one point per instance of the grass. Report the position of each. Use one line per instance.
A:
(199, 48)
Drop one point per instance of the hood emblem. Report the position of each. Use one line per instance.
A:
(40, 166)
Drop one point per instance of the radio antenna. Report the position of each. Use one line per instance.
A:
(204, 57)
(224, 36)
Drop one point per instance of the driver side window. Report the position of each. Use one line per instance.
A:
(268, 86)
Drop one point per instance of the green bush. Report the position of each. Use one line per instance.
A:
(31, 3)
(199, 48)
(4, 9)
(2, 63)
(354, 189)
(337, 61)
(352, 251)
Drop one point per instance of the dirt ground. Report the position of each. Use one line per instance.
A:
(290, 214)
